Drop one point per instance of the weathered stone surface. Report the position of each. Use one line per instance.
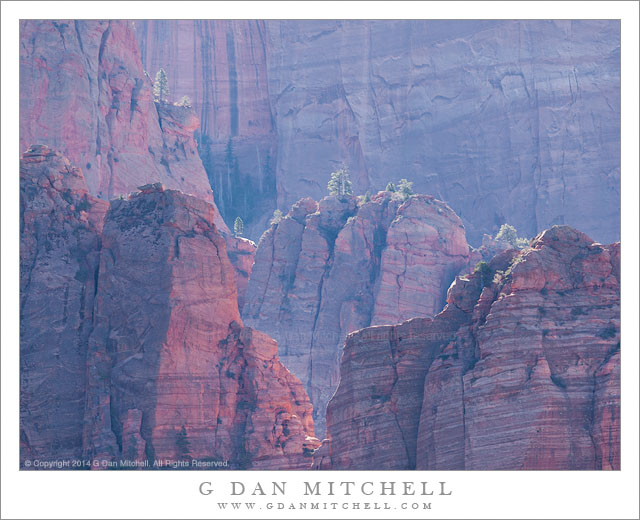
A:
(168, 344)
(525, 376)
(221, 65)
(83, 91)
(132, 346)
(426, 241)
(329, 268)
(60, 225)
(505, 120)
(513, 121)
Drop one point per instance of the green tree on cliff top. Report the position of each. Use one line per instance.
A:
(340, 184)
(238, 227)
(405, 188)
(508, 233)
(161, 87)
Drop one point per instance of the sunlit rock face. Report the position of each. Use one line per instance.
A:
(329, 268)
(132, 347)
(84, 92)
(519, 371)
(168, 342)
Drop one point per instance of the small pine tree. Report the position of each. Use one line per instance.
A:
(390, 187)
(277, 217)
(507, 234)
(340, 184)
(367, 197)
(185, 101)
(161, 87)
(182, 444)
(238, 227)
(405, 188)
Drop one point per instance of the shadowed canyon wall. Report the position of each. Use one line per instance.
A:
(221, 65)
(519, 371)
(514, 121)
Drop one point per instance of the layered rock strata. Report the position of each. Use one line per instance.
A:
(132, 345)
(329, 268)
(519, 371)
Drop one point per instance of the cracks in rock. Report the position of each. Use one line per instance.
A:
(61, 29)
(597, 462)
(403, 274)
(103, 42)
(393, 345)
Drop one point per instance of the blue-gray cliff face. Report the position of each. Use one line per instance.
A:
(514, 121)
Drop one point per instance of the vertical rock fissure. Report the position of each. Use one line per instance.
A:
(393, 346)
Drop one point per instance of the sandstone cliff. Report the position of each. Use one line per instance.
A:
(519, 371)
(222, 66)
(60, 227)
(508, 121)
(83, 91)
(132, 345)
(329, 268)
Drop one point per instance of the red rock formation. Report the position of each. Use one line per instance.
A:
(83, 91)
(526, 375)
(333, 267)
(132, 346)
(221, 65)
(425, 241)
(60, 225)
(168, 344)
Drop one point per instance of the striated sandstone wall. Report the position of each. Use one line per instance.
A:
(132, 345)
(525, 376)
(329, 268)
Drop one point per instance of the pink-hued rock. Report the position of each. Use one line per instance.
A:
(60, 225)
(426, 241)
(329, 268)
(168, 343)
(525, 377)
(83, 91)
(133, 445)
(241, 253)
(221, 66)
